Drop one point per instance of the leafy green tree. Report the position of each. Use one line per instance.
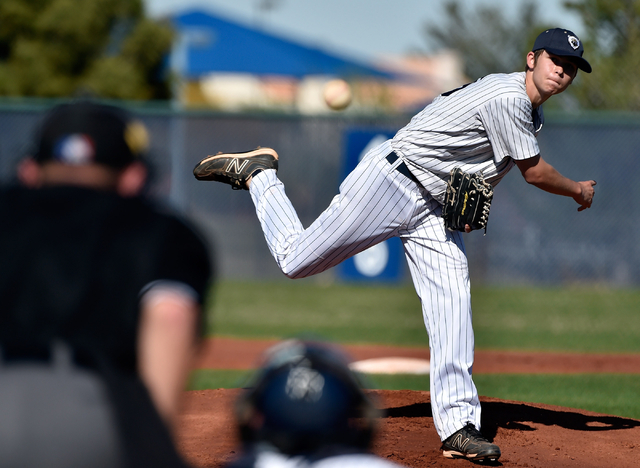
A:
(59, 48)
(487, 41)
(612, 46)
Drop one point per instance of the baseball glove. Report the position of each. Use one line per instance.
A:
(467, 201)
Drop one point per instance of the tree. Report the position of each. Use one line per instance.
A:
(59, 48)
(489, 43)
(486, 40)
(612, 47)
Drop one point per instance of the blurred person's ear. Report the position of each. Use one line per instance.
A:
(29, 173)
(132, 179)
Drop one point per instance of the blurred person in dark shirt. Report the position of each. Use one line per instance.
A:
(101, 297)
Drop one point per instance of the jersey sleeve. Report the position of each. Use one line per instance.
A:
(508, 122)
(186, 259)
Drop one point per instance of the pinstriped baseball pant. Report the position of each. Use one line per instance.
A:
(375, 203)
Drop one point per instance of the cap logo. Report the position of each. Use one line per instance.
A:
(304, 384)
(574, 42)
(76, 149)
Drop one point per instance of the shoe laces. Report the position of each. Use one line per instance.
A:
(475, 433)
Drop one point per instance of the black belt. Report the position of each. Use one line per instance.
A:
(402, 167)
(43, 354)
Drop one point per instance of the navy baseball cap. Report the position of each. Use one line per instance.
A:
(563, 43)
(85, 132)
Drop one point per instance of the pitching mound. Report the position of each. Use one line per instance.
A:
(529, 435)
(534, 436)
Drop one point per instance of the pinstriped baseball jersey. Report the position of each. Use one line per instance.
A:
(481, 127)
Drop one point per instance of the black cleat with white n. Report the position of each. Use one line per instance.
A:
(470, 444)
(236, 169)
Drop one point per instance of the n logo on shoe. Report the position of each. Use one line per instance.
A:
(459, 443)
(235, 167)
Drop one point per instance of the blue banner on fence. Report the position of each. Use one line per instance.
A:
(384, 261)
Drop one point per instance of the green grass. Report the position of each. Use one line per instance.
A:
(585, 319)
(577, 319)
(574, 319)
(613, 394)
(353, 314)
(204, 379)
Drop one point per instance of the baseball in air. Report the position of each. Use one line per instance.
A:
(337, 94)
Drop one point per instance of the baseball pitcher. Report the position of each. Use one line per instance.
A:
(399, 189)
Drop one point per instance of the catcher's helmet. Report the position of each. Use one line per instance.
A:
(303, 398)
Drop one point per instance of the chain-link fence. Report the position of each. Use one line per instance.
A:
(533, 237)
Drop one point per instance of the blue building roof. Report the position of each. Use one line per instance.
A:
(210, 44)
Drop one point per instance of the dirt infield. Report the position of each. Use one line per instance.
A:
(529, 435)
(229, 353)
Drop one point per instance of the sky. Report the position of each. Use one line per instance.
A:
(363, 29)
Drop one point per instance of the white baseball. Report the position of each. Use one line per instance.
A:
(337, 94)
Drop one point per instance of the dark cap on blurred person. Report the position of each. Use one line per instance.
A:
(563, 43)
(85, 132)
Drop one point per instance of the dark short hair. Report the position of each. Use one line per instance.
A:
(536, 55)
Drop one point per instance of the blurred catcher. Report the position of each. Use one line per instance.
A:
(305, 408)
(101, 297)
